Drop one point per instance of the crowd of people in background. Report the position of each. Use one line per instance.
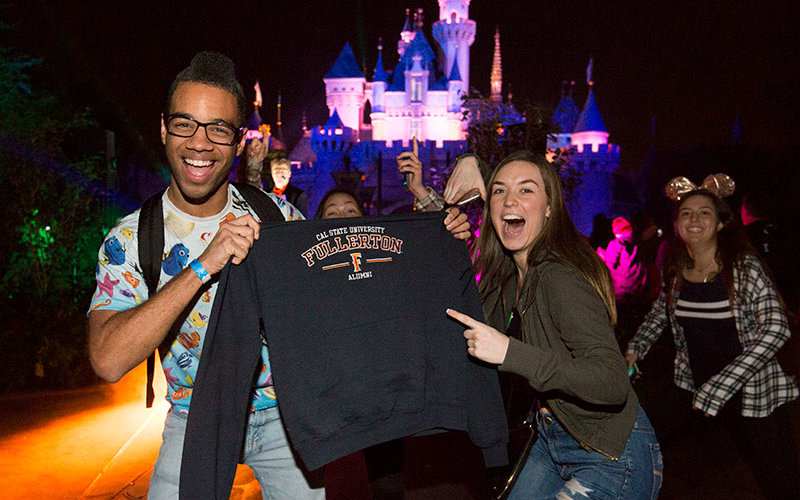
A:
(573, 316)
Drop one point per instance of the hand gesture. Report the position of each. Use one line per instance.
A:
(257, 151)
(466, 176)
(234, 239)
(408, 163)
(483, 341)
(458, 224)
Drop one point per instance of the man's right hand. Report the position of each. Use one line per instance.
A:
(233, 240)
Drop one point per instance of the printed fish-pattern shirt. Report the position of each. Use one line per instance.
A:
(121, 286)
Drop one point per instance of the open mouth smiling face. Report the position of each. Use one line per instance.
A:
(200, 167)
(519, 206)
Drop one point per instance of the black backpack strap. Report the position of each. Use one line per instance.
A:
(151, 248)
(262, 204)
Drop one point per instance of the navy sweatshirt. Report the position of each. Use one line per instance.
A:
(361, 350)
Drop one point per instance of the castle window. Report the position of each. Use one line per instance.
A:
(416, 90)
(415, 129)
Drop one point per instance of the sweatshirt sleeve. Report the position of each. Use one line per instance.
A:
(487, 425)
(218, 412)
(595, 372)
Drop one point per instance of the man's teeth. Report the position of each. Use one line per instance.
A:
(198, 163)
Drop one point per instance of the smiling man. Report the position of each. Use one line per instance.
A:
(206, 223)
(281, 171)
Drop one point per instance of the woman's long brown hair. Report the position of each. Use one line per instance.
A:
(559, 240)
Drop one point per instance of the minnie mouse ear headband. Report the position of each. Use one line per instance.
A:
(717, 184)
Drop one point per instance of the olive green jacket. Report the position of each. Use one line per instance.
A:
(570, 356)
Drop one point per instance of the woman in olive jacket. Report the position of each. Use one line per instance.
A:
(541, 282)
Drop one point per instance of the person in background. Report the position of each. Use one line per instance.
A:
(770, 244)
(628, 275)
(541, 282)
(281, 171)
(728, 324)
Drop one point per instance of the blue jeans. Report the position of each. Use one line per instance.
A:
(559, 468)
(266, 451)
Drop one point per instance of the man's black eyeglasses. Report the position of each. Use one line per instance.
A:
(218, 132)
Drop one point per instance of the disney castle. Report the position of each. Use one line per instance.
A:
(423, 95)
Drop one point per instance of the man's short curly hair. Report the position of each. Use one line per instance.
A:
(217, 70)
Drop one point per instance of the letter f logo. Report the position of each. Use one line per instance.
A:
(356, 257)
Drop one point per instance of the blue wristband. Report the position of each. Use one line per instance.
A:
(200, 271)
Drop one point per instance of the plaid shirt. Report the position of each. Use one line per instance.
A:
(762, 327)
(430, 203)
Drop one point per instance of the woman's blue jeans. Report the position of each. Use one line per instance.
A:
(559, 468)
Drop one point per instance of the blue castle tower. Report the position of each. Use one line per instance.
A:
(585, 137)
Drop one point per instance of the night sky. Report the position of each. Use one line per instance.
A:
(692, 65)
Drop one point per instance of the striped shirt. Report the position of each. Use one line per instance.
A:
(762, 329)
(704, 313)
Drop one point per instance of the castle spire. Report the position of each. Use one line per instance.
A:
(418, 19)
(380, 74)
(279, 110)
(406, 34)
(496, 82)
(258, 100)
(278, 142)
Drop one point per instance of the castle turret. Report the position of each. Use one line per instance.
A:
(379, 83)
(455, 89)
(590, 131)
(277, 140)
(455, 32)
(302, 156)
(406, 35)
(345, 89)
(596, 159)
(496, 81)
(331, 144)
(564, 119)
